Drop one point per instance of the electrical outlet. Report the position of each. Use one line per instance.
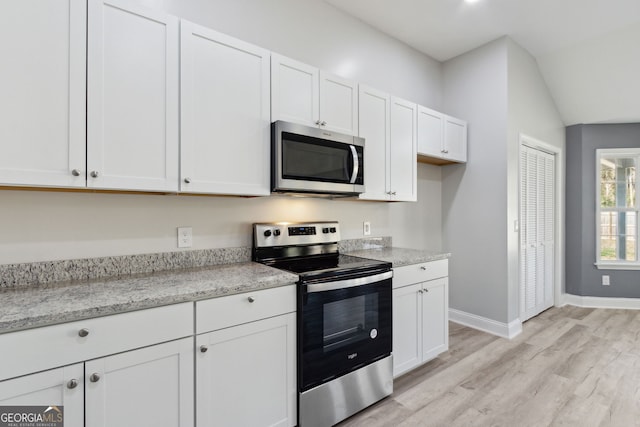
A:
(185, 237)
(366, 228)
(605, 281)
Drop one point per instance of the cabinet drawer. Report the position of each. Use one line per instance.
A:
(47, 347)
(416, 273)
(218, 313)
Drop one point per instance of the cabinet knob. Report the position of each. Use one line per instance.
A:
(251, 299)
(318, 122)
(75, 172)
(94, 174)
(73, 383)
(422, 267)
(94, 378)
(393, 193)
(420, 291)
(187, 180)
(203, 349)
(323, 123)
(83, 332)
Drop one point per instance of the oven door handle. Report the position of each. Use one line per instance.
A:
(348, 283)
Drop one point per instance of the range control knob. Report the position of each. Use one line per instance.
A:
(276, 232)
(332, 229)
(267, 233)
(325, 230)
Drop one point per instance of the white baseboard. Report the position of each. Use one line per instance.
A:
(505, 330)
(601, 302)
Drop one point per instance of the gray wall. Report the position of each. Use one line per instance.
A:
(582, 277)
(499, 90)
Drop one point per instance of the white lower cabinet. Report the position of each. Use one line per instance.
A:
(151, 386)
(246, 373)
(420, 314)
(97, 371)
(126, 389)
(55, 387)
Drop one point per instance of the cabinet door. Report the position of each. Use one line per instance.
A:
(42, 82)
(246, 375)
(407, 328)
(56, 387)
(132, 97)
(294, 91)
(152, 386)
(225, 134)
(430, 132)
(338, 104)
(373, 111)
(455, 139)
(435, 317)
(403, 151)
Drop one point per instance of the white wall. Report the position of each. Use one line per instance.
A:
(315, 32)
(41, 226)
(498, 88)
(474, 195)
(531, 112)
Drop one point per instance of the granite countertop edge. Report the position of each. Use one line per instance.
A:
(50, 304)
(45, 305)
(400, 257)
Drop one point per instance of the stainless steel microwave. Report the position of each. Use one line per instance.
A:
(305, 159)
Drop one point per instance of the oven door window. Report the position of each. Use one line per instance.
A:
(347, 322)
(343, 330)
(312, 159)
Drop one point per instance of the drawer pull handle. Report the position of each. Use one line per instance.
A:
(94, 378)
(420, 291)
(83, 332)
(73, 383)
(251, 299)
(203, 349)
(423, 268)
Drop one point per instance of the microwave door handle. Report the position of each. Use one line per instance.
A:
(356, 165)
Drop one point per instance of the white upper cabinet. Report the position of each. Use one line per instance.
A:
(442, 139)
(388, 126)
(374, 111)
(225, 116)
(455, 139)
(338, 104)
(430, 132)
(303, 94)
(295, 92)
(403, 150)
(132, 105)
(42, 82)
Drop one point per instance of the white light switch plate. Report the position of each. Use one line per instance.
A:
(185, 237)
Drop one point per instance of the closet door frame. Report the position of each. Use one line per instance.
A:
(559, 215)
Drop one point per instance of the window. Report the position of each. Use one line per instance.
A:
(617, 208)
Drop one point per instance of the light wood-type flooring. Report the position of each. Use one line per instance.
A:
(570, 367)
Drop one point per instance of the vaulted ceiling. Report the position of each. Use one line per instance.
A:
(588, 51)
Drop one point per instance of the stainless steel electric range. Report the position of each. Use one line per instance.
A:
(344, 319)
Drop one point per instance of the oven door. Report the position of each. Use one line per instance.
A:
(343, 324)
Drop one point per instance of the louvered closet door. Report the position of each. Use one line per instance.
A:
(537, 212)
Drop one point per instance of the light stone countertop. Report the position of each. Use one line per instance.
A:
(399, 257)
(34, 306)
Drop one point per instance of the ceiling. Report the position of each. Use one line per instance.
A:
(588, 51)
